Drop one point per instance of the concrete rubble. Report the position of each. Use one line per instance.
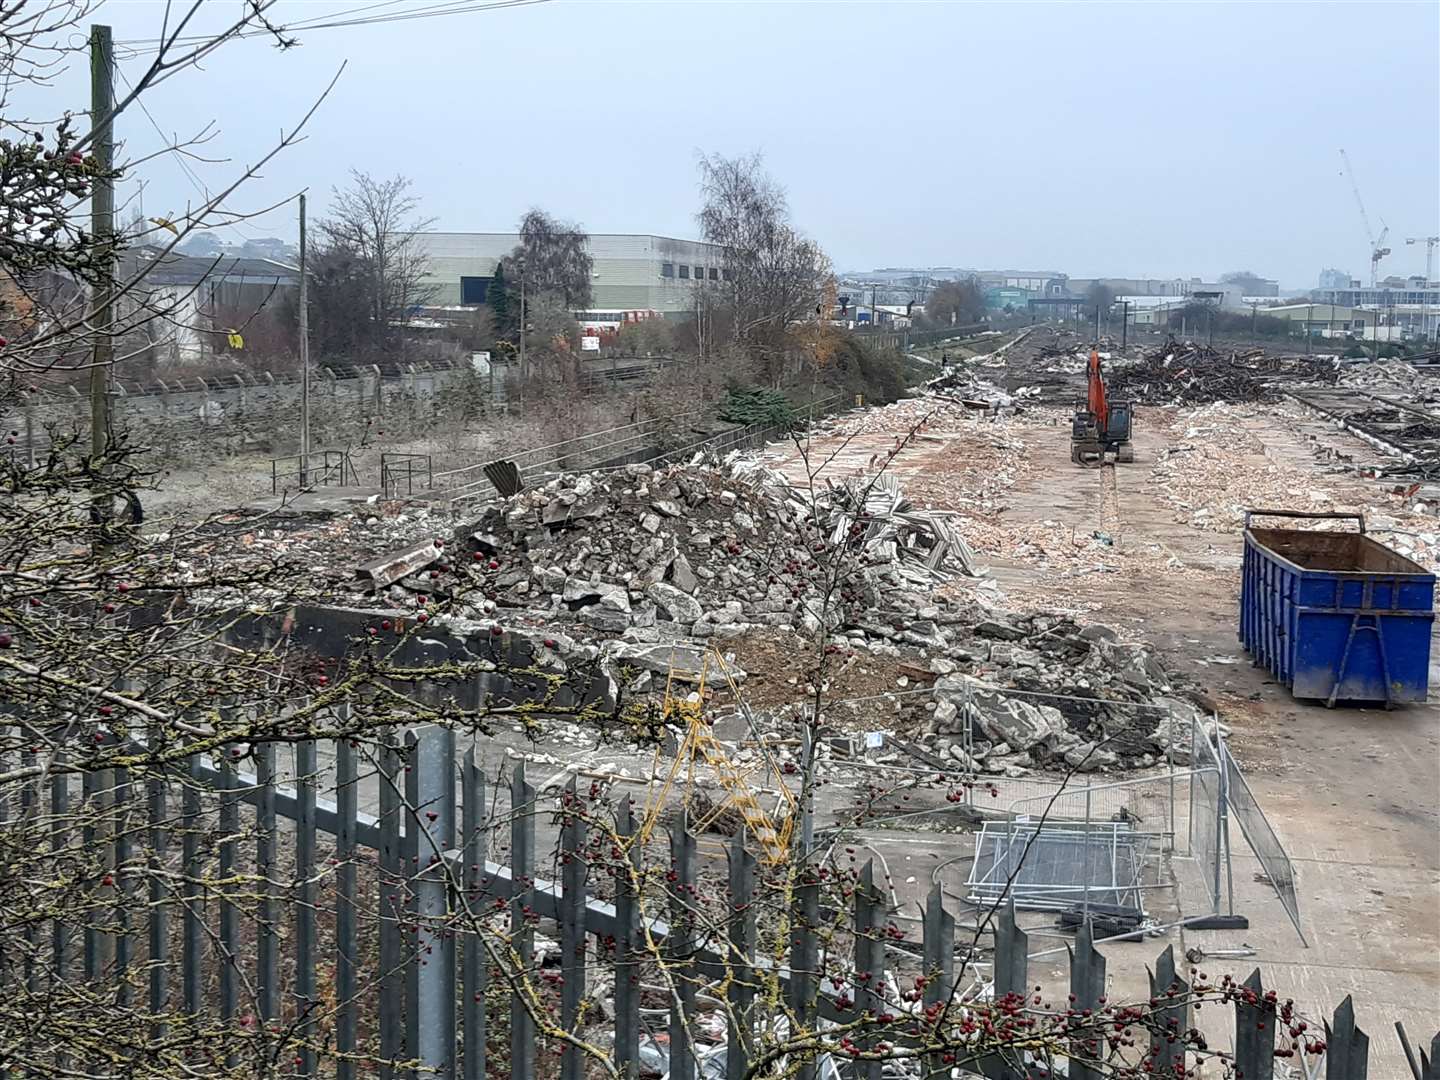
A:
(640, 570)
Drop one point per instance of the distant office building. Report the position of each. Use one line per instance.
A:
(632, 272)
(1337, 279)
(1030, 282)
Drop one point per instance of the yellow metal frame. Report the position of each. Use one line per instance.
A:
(771, 834)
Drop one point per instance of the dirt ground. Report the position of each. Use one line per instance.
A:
(1353, 793)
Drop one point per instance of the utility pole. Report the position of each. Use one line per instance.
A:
(304, 359)
(1125, 325)
(102, 228)
(1254, 319)
(1309, 326)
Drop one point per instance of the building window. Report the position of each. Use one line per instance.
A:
(473, 290)
(714, 274)
(728, 274)
(667, 269)
(684, 270)
(699, 273)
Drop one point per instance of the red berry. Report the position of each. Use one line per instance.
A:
(385, 624)
(496, 631)
(122, 587)
(422, 617)
(4, 641)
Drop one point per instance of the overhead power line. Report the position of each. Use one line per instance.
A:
(335, 19)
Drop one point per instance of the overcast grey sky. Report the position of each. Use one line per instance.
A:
(1139, 139)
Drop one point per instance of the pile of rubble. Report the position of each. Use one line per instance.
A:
(1191, 374)
(1046, 692)
(641, 569)
(1004, 696)
(1419, 385)
(703, 547)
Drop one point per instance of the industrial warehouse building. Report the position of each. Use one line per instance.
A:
(632, 273)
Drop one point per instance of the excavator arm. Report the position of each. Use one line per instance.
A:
(1096, 397)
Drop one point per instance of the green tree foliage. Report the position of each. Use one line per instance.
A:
(497, 299)
(757, 405)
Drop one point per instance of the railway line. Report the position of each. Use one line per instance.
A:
(1396, 428)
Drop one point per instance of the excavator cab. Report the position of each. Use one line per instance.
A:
(1100, 426)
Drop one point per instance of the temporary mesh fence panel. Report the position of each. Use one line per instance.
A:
(1206, 805)
(1261, 837)
(1053, 866)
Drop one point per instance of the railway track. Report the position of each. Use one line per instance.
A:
(1396, 428)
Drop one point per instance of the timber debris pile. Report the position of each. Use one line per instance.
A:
(1193, 374)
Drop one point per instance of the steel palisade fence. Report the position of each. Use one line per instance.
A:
(421, 993)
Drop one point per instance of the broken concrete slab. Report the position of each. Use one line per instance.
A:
(398, 564)
(579, 594)
(677, 605)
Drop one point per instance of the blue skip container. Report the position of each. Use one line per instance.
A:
(1335, 615)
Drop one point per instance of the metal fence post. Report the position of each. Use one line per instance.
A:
(93, 798)
(1012, 958)
(120, 828)
(392, 887)
(474, 849)
(1165, 983)
(192, 949)
(939, 949)
(431, 815)
(522, 934)
(804, 957)
(159, 837)
(59, 813)
(627, 953)
(740, 1035)
(305, 768)
(346, 951)
(267, 958)
(680, 946)
(410, 874)
(869, 965)
(1087, 988)
(1347, 1048)
(1255, 1022)
(572, 927)
(229, 918)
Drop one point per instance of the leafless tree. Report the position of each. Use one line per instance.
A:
(774, 275)
(51, 316)
(373, 228)
(954, 303)
(552, 256)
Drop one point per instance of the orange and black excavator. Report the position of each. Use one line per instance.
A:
(1101, 426)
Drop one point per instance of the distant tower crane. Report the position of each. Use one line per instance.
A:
(1378, 250)
(1429, 242)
